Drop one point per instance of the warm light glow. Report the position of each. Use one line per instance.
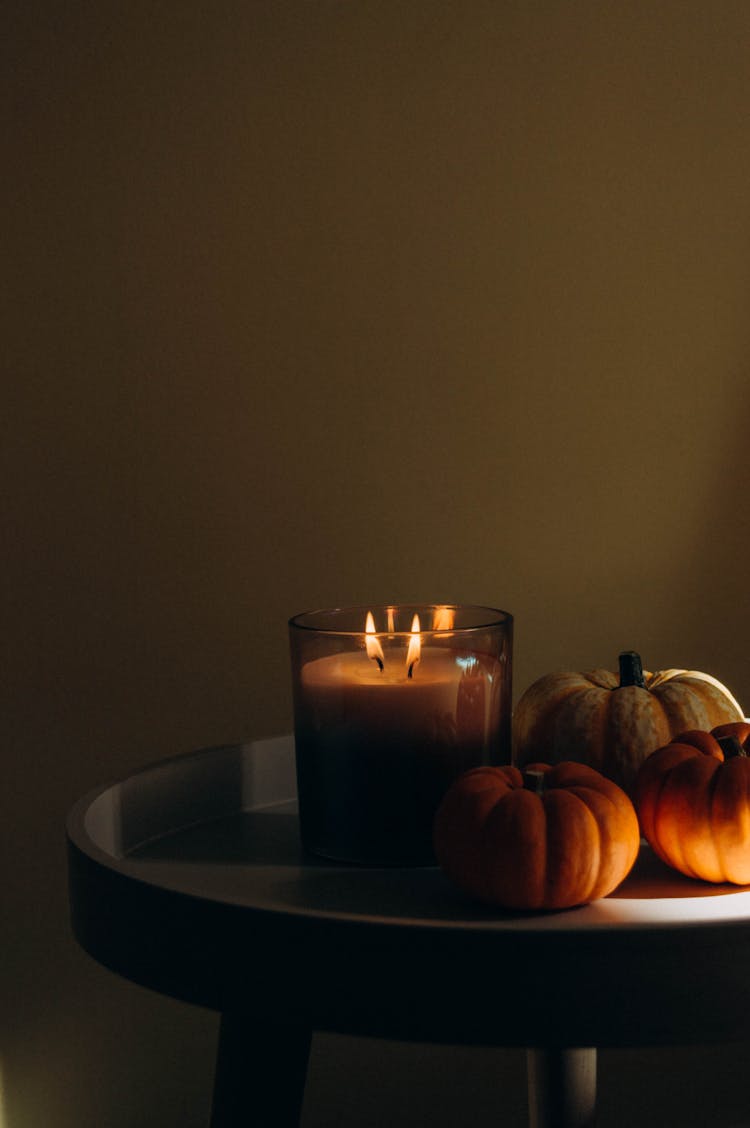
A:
(391, 620)
(374, 649)
(415, 646)
(443, 619)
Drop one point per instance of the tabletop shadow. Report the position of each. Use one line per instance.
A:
(247, 838)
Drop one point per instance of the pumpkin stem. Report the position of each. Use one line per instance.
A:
(631, 669)
(731, 746)
(534, 781)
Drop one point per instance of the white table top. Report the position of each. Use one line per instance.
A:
(221, 824)
(196, 861)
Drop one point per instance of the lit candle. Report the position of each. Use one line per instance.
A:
(385, 722)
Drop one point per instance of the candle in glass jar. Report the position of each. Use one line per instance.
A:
(382, 730)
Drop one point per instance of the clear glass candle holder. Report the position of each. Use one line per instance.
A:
(391, 703)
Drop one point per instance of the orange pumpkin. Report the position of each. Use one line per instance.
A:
(693, 802)
(550, 839)
(613, 722)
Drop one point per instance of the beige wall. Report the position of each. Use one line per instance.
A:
(317, 303)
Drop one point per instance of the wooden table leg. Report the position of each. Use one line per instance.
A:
(562, 1088)
(260, 1073)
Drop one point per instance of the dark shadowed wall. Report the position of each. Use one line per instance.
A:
(326, 302)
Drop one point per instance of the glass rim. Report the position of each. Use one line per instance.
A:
(496, 618)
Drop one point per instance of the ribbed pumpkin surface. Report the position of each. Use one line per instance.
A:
(693, 802)
(593, 718)
(508, 845)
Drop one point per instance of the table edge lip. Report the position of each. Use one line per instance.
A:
(80, 841)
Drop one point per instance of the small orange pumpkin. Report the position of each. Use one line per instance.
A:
(550, 839)
(614, 722)
(693, 802)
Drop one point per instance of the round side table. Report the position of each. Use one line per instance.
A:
(188, 877)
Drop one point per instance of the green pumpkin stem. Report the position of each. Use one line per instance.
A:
(534, 781)
(631, 669)
(731, 746)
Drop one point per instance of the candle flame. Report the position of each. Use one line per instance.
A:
(374, 649)
(415, 646)
(443, 619)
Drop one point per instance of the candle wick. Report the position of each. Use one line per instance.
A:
(379, 662)
(410, 672)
